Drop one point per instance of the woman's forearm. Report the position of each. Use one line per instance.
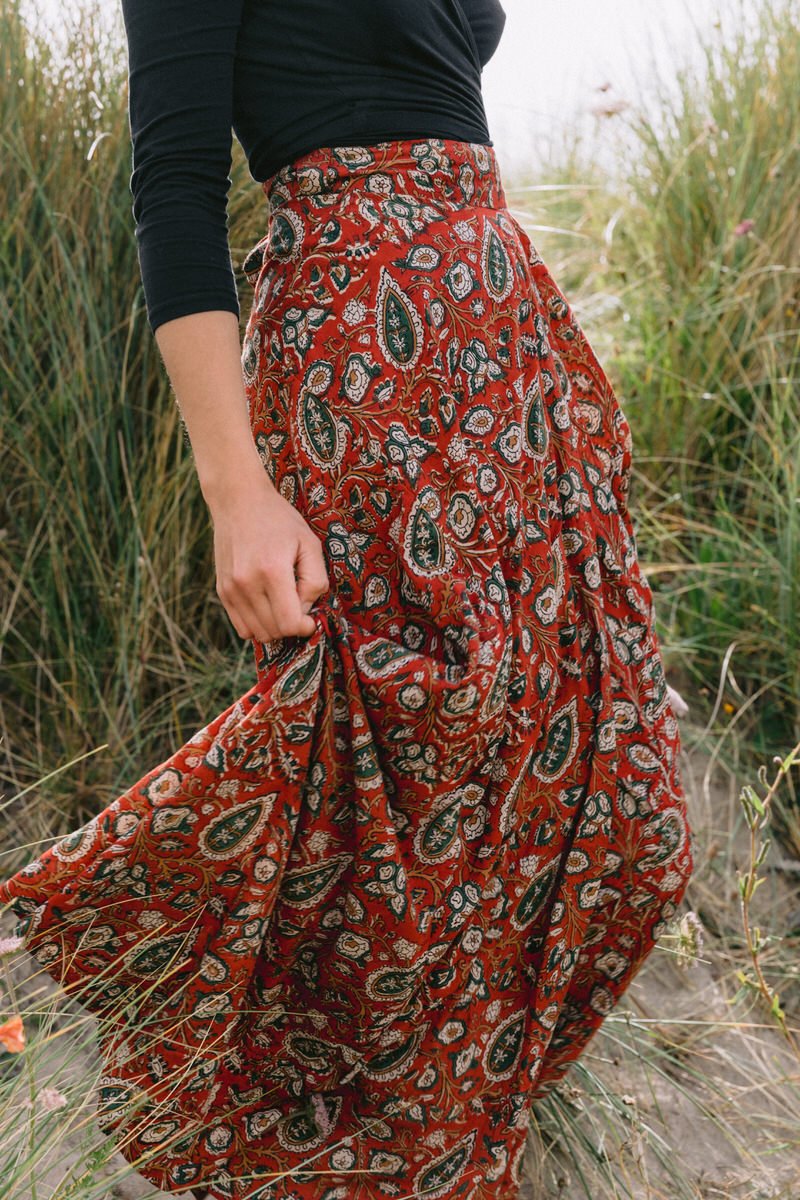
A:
(202, 355)
(270, 564)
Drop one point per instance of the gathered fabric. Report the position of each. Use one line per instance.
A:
(341, 939)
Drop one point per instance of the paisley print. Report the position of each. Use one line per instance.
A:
(363, 917)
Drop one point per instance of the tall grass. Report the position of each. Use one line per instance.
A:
(111, 630)
(713, 377)
(685, 270)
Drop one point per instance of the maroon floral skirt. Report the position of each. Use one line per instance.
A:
(341, 938)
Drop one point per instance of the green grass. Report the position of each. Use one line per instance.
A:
(110, 630)
(696, 317)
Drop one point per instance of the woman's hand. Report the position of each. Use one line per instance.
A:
(260, 540)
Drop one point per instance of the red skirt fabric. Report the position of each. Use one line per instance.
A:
(341, 939)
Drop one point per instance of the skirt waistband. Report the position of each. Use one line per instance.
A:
(460, 174)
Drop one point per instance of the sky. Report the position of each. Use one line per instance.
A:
(555, 54)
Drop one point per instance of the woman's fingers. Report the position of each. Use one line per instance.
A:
(312, 575)
(289, 618)
(261, 542)
(267, 606)
(269, 603)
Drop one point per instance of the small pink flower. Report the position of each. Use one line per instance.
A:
(12, 1035)
(9, 944)
(744, 226)
(609, 108)
(51, 1099)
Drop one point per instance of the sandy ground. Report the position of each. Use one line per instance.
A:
(720, 1111)
(711, 1098)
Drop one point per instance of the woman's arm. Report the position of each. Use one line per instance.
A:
(181, 64)
(259, 538)
(181, 56)
(203, 359)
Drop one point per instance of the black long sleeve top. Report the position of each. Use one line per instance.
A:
(287, 76)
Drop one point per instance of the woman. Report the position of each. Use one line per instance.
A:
(341, 939)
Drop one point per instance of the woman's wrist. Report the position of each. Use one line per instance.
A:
(202, 354)
(230, 475)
